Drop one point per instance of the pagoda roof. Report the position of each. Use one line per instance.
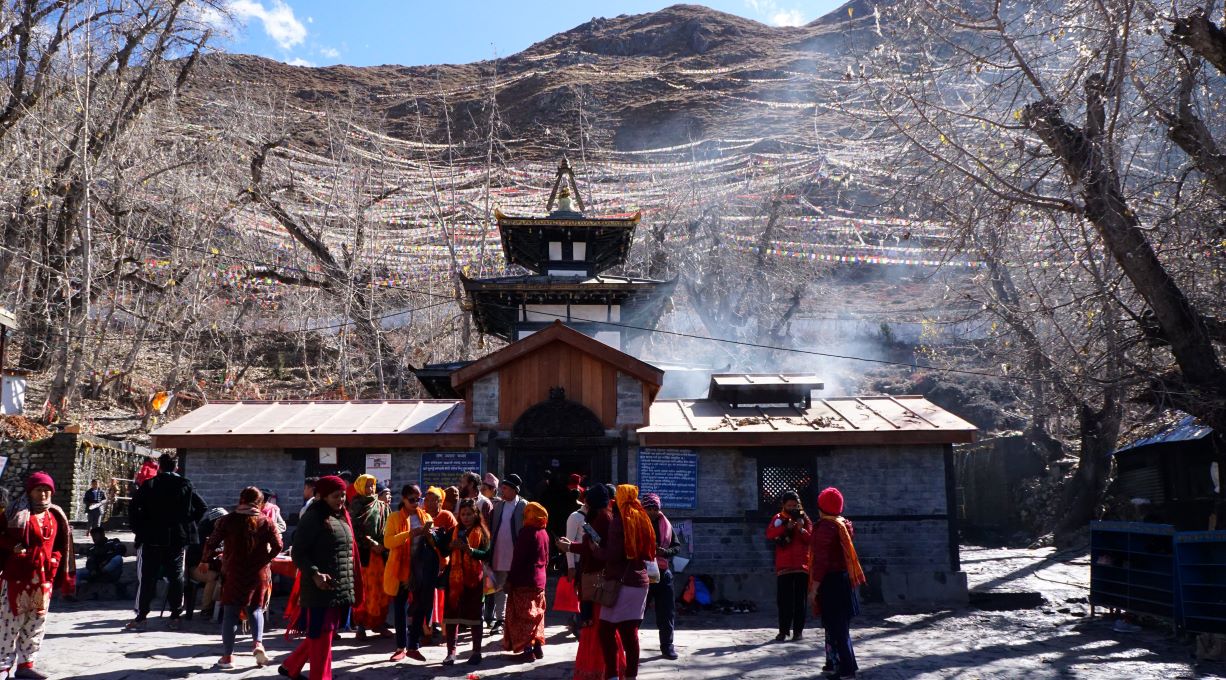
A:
(496, 301)
(562, 283)
(568, 219)
(525, 241)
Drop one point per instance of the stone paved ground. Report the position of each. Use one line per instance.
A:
(85, 641)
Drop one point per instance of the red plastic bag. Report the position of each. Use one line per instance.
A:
(564, 598)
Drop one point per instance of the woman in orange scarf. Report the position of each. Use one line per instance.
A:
(405, 539)
(834, 575)
(467, 546)
(525, 617)
(631, 543)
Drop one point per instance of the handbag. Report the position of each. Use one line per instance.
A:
(587, 586)
(607, 590)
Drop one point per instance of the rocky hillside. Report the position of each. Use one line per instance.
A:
(633, 82)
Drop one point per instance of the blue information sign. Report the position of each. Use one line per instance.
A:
(444, 469)
(671, 473)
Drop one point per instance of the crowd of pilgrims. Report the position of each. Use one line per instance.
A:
(469, 558)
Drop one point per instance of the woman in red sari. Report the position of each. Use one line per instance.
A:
(525, 622)
(37, 556)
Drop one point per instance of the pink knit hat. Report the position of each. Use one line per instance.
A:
(38, 479)
(490, 480)
(830, 501)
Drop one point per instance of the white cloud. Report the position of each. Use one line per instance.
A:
(788, 17)
(310, 20)
(299, 61)
(776, 15)
(330, 52)
(278, 19)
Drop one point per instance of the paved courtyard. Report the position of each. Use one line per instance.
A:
(1057, 640)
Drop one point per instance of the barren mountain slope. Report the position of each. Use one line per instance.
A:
(684, 73)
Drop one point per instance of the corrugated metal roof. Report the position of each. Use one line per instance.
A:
(318, 423)
(1185, 429)
(837, 421)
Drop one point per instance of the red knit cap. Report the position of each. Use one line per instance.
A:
(830, 501)
(39, 479)
(329, 485)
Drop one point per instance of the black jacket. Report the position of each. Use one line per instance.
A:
(164, 512)
(323, 544)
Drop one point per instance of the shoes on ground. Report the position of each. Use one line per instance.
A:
(361, 635)
(398, 655)
(415, 654)
(496, 628)
(537, 651)
(797, 636)
(27, 671)
(670, 653)
(474, 659)
(261, 656)
(781, 637)
(225, 663)
(284, 672)
(450, 660)
(136, 625)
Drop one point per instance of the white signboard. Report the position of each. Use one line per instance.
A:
(378, 462)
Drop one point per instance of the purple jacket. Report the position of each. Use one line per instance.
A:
(530, 558)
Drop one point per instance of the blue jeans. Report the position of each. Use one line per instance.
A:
(230, 623)
(109, 572)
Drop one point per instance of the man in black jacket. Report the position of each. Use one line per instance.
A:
(163, 513)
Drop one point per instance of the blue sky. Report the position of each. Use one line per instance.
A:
(415, 32)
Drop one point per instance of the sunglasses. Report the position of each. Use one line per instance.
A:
(413, 500)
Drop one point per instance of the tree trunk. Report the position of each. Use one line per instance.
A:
(1099, 433)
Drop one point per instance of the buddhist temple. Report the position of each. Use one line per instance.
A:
(567, 255)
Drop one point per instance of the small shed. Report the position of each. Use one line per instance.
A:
(890, 456)
(226, 446)
(1170, 464)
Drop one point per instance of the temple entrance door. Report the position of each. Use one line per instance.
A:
(551, 441)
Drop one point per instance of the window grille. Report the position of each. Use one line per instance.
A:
(774, 479)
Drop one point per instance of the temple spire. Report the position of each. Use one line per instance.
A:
(564, 171)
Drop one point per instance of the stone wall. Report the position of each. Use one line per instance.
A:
(71, 460)
(104, 460)
(218, 475)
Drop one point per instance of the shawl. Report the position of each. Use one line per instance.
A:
(640, 535)
(467, 572)
(66, 574)
(536, 516)
(854, 571)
